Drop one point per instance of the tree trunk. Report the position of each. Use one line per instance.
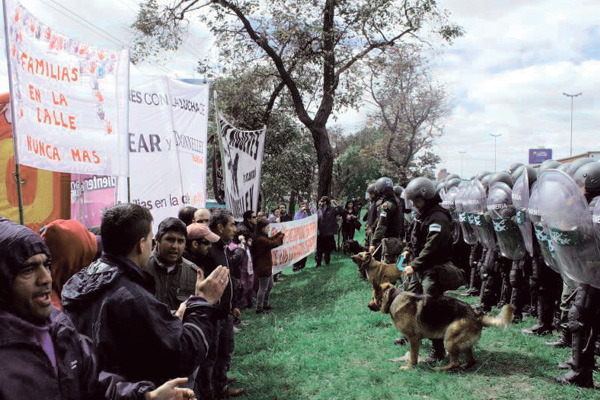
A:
(292, 206)
(324, 159)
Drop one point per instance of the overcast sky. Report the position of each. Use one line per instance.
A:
(506, 75)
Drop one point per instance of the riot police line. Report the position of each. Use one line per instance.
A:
(529, 237)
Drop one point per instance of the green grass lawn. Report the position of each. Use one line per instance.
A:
(322, 342)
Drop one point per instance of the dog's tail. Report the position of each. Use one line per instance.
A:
(503, 319)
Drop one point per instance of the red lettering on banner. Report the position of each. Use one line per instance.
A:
(35, 94)
(53, 117)
(41, 67)
(84, 156)
(42, 149)
(62, 101)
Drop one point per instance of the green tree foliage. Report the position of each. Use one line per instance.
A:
(313, 47)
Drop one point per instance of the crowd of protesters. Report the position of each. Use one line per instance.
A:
(118, 311)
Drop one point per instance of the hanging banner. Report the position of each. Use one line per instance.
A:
(242, 162)
(167, 145)
(300, 240)
(70, 99)
(44, 193)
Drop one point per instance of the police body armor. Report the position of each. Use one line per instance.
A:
(566, 214)
(503, 213)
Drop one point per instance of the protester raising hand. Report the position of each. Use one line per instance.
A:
(170, 391)
(212, 287)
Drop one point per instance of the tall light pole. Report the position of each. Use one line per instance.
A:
(462, 153)
(495, 137)
(571, 96)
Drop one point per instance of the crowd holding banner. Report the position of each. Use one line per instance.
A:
(300, 240)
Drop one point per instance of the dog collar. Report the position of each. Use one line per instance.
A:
(394, 294)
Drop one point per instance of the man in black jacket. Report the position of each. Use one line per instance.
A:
(112, 302)
(212, 377)
(431, 246)
(43, 356)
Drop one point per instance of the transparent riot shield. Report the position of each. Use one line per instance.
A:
(482, 222)
(504, 214)
(520, 199)
(596, 219)
(463, 216)
(566, 213)
(541, 232)
(449, 203)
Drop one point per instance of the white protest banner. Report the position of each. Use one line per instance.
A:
(300, 240)
(167, 145)
(70, 98)
(242, 162)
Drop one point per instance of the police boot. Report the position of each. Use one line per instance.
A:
(473, 284)
(546, 314)
(583, 363)
(438, 352)
(564, 340)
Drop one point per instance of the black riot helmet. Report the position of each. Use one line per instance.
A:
(452, 182)
(513, 167)
(549, 164)
(481, 174)
(398, 191)
(381, 184)
(371, 189)
(588, 176)
(529, 170)
(452, 176)
(420, 187)
(501, 176)
(574, 166)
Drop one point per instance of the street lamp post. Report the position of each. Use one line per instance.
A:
(571, 96)
(462, 153)
(495, 137)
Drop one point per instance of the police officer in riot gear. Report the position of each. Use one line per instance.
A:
(389, 231)
(371, 216)
(431, 245)
(584, 314)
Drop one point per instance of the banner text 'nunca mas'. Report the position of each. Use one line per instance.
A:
(70, 98)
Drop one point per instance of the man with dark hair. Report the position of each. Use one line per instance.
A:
(43, 356)
(174, 276)
(283, 215)
(212, 377)
(186, 214)
(328, 227)
(112, 302)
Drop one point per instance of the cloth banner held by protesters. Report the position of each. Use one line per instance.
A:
(167, 145)
(242, 162)
(70, 98)
(300, 240)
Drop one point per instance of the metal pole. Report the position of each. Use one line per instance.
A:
(571, 96)
(13, 115)
(495, 137)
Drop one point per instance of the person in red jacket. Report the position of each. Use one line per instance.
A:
(263, 263)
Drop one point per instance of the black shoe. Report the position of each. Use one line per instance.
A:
(268, 308)
(437, 353)
(582, 378)
(561, 343)
(318, 265)
(538, 330)
(260, 311)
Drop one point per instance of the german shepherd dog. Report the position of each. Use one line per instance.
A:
(376, 271)
(424, 317)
